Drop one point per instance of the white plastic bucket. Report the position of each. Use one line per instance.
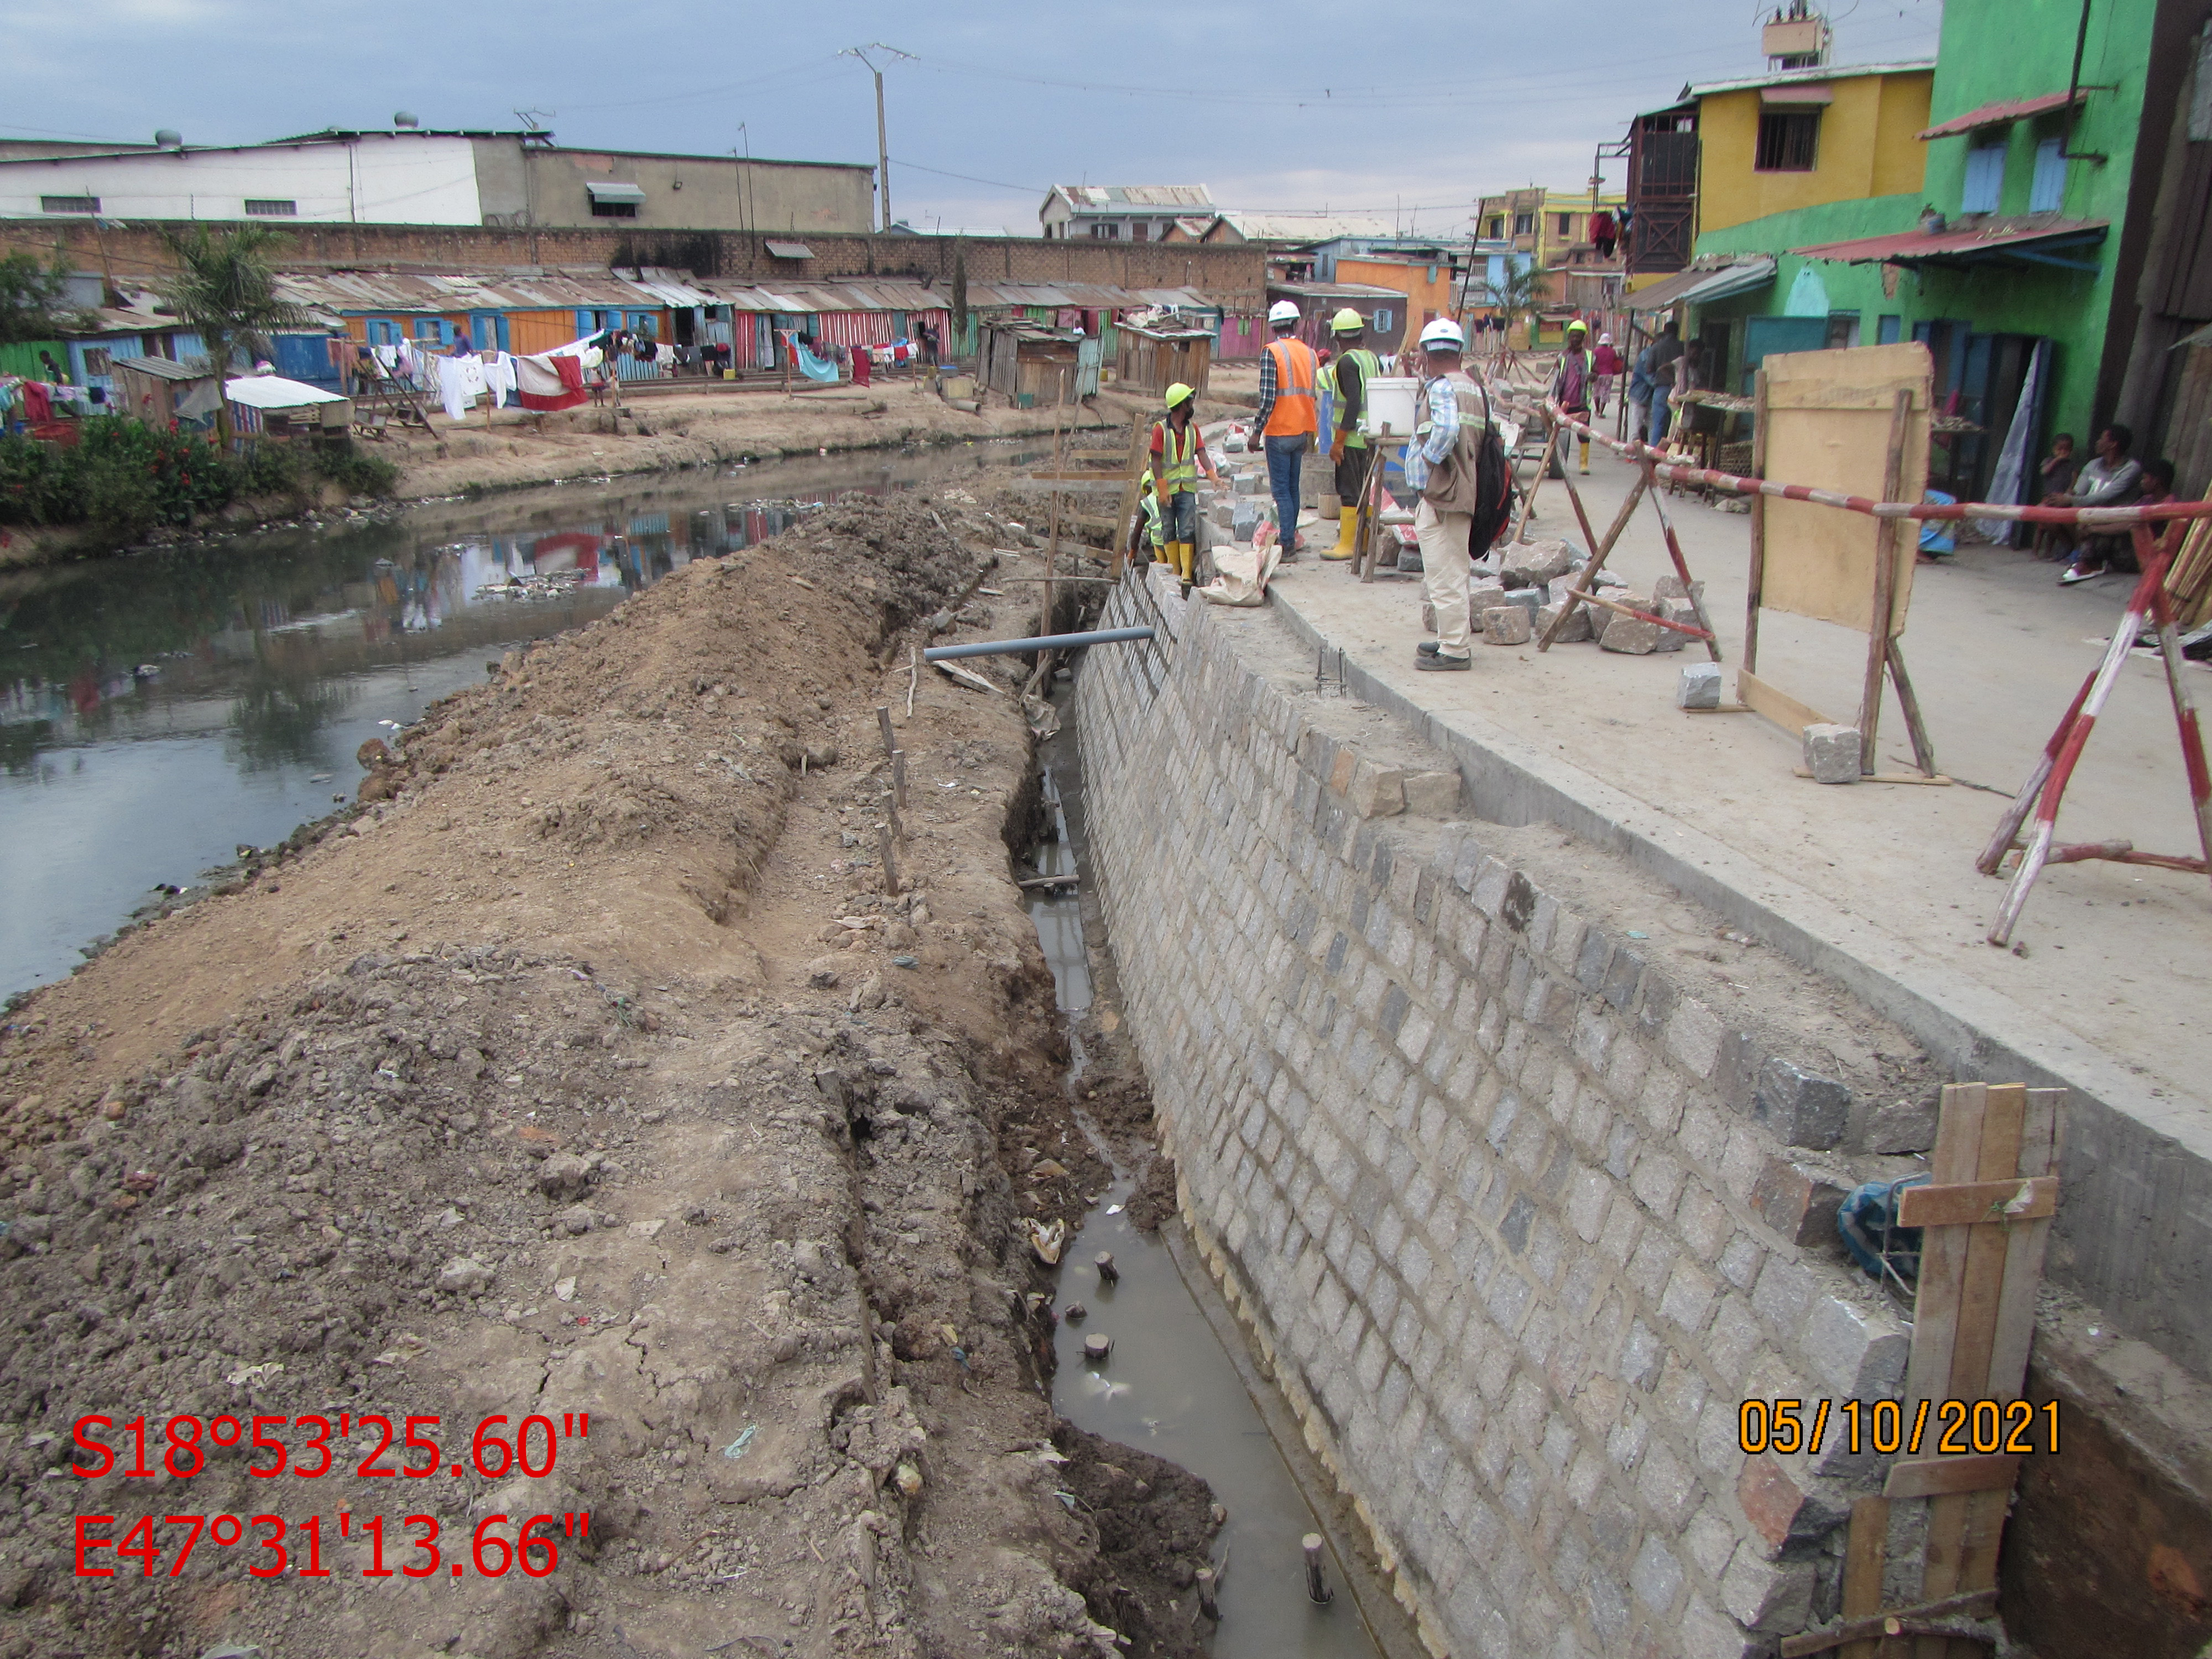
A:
(1388, 400)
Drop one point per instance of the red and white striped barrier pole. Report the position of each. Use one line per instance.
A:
(2056, 769)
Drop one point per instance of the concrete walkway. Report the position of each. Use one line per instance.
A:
(2110, 984)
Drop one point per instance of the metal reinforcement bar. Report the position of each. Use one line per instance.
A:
(2088, 518)
(1043, 642)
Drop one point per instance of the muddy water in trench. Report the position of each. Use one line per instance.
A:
(157, 711)
(1170, 1387)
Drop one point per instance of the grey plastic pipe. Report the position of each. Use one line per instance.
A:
(1043, 642)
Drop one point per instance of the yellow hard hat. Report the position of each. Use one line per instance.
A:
(1179, 394)
(1578, 327)
(1346, 321)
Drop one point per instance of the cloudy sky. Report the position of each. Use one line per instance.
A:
(1410, 108)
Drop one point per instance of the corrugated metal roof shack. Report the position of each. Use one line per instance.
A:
(160, 393)
(1030, 363)
(1153, 358)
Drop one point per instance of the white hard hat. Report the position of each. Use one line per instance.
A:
(1283, 311)
(1604, 339)
(1443, 332)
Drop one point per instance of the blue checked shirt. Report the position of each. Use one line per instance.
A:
(1442, 433)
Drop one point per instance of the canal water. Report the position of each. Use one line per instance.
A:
(1170, 1386)
(160, 711)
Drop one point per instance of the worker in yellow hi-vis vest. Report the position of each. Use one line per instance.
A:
(1354, 368)
(1179, 456)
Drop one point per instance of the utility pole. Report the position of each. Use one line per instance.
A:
(883, 143)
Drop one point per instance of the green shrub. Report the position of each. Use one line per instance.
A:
(126, 477)
(359, 474)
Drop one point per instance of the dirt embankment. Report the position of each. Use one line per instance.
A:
(659, 432)
(591, 1069)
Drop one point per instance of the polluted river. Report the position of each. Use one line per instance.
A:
(159, 711)
(164, 714)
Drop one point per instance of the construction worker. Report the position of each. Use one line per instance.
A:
(1287, 420)
(1449, 399)
(1179, 455)
(1145, 530)
(1355, 366)
(1574, 384)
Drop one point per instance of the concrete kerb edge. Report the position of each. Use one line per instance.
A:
(1973, 1032)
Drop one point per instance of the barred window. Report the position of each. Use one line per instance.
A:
(69, 204)
(1789, 141)
(264, 208)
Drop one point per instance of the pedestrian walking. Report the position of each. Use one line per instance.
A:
(1608, 365)
(1666, 352)
(1287, 419)
(1348, 449)
(1571, 384)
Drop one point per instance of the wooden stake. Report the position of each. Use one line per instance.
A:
(1884, 584)
(1317, 1589)
(890, 865)
(1207, 1604)
(1052, 539)
(1107, 1273)
(898, 778)
(883, 720)
(1543, 470)
(1757, 585)
(1863, 1553)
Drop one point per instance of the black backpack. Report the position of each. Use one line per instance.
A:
(1494, 487)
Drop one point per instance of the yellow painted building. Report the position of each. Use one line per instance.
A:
(1799, 138)
(1552, 224)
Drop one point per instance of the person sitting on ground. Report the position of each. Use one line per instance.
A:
(2110, 479)
(2055, 541)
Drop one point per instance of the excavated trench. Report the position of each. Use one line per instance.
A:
(1178, 1381)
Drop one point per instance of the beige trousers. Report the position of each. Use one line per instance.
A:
(1444, 566)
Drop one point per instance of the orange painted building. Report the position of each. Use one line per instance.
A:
(1427, 285)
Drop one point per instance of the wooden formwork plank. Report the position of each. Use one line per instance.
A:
(1863, 1555)
(1958, 1311)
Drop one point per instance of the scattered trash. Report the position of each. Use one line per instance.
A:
(909, 1479)
(737, 1448)
(247, 1376)
(564, 1290)
(1048, 1240)
(1112, 1209)
(1633, 933)
(906, 962)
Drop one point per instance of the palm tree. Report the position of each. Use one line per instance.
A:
(225, 288)
(1519, 294)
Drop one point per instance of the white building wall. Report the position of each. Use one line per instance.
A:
(419, 179)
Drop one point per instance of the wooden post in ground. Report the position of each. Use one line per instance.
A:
(1052, 539)
(1863, 1554)
(884, 724)
(1884, 586)
(1758, 580)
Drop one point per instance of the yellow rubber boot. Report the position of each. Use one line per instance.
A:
(1180, 558)
(1585, 446)
(1347, 535)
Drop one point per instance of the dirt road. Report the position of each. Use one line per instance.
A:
(590, 1069)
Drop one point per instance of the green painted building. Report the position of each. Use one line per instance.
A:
(2028, 243)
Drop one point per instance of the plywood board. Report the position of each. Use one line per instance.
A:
(1828, 416)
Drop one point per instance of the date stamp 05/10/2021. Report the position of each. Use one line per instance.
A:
(1930, 1428)
(497, 1448)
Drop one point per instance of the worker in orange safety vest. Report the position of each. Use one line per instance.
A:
(1288, 420)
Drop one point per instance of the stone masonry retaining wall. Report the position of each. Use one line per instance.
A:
(1498, 1196)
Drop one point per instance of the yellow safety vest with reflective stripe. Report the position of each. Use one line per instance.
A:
(1149, 504)
(1371, 366)
(1179, 467)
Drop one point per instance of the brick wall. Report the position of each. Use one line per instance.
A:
(1508, 1208)
(1231, 275)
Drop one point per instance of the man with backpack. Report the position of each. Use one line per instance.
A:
(1456, 462)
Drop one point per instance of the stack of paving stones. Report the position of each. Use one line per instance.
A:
(1514, 1218)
